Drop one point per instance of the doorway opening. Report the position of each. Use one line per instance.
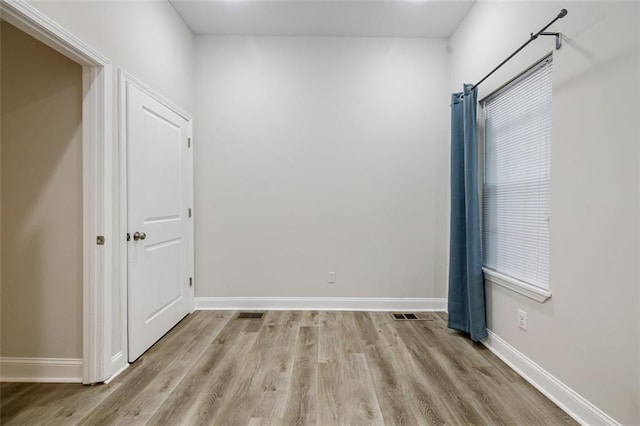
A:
(94, 242)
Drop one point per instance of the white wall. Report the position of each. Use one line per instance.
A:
(318, 154)
(147, 39)
(587, 334)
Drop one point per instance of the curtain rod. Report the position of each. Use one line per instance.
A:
(533, 36)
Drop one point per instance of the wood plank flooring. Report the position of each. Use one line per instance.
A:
(296, 368)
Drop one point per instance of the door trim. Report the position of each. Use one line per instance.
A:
(125, 78)
(97, 174)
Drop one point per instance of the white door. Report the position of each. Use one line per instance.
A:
(160, 249)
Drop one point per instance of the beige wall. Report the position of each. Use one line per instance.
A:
(41, 200)
(318, 154)
(587, 334)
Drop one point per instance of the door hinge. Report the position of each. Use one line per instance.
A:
(189, 211)
(128, 236)
(190, 281)
(100, 240)
(188, 142)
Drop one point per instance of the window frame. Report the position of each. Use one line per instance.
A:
(491, 276)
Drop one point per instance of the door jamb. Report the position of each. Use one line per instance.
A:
(97, 174)
(125, 78)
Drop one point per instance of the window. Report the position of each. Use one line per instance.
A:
(516, 187)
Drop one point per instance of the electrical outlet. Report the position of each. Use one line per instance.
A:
(332, 277)
(522, 319)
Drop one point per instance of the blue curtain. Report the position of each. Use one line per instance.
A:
(466, 288)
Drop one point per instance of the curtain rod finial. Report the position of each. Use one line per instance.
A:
(562, 13)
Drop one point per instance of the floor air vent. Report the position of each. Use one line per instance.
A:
(250, 315)
(406, 317)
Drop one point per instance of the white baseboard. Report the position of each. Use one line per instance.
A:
(41, 370)
(118, 365)
(562, 395)
(118, 360)
(117, 373)
(321, 303)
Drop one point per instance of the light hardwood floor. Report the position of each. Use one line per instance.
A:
(297, 368)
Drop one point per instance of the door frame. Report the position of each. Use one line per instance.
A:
(124, 79)
(97, 177)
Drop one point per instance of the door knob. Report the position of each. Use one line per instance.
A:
(139, 236)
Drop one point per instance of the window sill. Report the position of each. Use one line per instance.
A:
(527, 290)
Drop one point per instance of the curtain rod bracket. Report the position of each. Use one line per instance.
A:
(558, 37)
(532, 37)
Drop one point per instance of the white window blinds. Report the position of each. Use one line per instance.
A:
(516, 189)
